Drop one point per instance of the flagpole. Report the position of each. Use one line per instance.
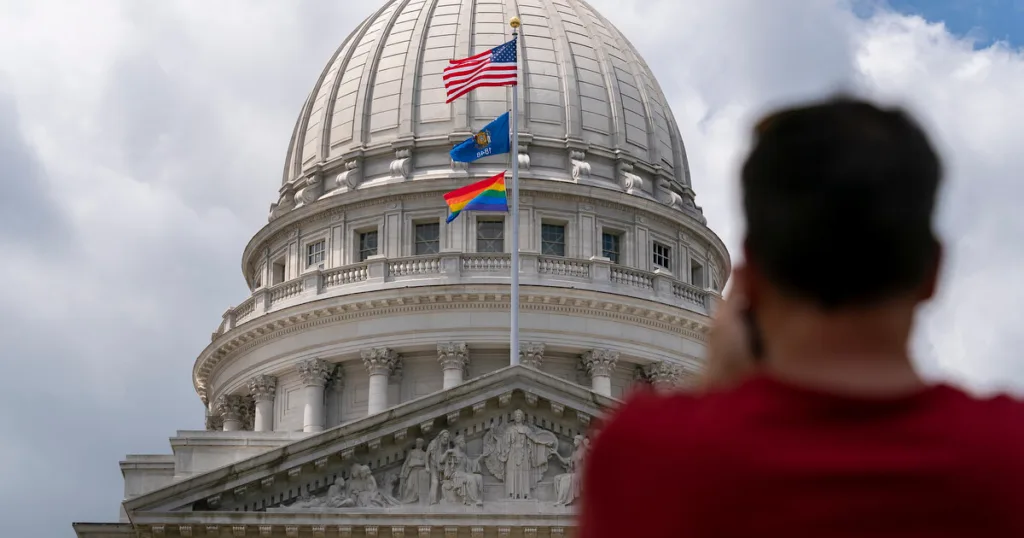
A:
(514, 333)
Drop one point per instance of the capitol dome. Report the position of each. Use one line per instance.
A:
(376, 336)
(589, 104)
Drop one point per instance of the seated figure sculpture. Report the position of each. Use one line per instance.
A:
(362, 489)
(567, 485)
(462, 484)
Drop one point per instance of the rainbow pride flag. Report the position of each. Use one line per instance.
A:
(486, 195)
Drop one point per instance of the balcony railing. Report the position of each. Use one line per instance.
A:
(597, 274)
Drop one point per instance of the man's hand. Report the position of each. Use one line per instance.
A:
(730, 359)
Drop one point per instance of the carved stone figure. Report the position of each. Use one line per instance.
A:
(414, 482)
(567, 485)
(362, 489)
(463, 483)
(517, 454)
(337, 497)
(435, 463)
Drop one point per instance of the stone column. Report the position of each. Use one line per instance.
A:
(531, 354)
(454, 358)
(663, 376)
(263, 388)
(380, 363)
(230, 408)
(599, 364)
(314, 374)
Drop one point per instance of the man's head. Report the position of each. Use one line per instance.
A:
(839, 198)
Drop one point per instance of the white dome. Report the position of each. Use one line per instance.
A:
(591, 111)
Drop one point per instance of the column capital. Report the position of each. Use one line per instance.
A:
(315, 372)
(453, 355)
(663, 375)
(263, 388)
(600, 362)
(380, 360)
(531, 354)
(229, 406)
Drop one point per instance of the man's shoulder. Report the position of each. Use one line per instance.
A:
(997, 408)
(647, 413)
(1000, 414)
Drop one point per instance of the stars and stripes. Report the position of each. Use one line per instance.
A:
(495, 67)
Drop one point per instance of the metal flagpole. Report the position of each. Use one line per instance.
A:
(514, 335)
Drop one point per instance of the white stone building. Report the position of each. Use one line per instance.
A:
(372, 324)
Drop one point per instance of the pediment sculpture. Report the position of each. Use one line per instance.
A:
(568, 484)
(360, 490)
(515, 455)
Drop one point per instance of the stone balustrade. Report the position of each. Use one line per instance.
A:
(377, 273)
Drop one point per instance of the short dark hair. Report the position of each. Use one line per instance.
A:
(832, 188)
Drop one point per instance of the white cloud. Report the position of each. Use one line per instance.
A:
(157, 133)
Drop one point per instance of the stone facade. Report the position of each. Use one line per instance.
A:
(365, 382)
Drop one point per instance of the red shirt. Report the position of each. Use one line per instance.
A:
(772, 460)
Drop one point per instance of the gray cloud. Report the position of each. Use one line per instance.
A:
(29, 213)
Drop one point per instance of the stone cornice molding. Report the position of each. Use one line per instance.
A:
(453, 355)
(342, 309)
(367, 524)
(315, 372)
(531, 354)
(263, 388)
(380, 361)
(600, 362)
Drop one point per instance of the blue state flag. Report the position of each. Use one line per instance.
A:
(491, 140)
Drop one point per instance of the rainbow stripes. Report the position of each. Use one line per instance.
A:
(486, 195)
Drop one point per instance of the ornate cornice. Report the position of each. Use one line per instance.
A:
(547, 300)
(541, 299)
(376, 525)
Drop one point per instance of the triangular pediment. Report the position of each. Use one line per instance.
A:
(467, 479)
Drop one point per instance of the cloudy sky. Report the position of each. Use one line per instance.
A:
(141, 143)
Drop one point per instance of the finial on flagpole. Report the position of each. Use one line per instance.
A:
(515, 23)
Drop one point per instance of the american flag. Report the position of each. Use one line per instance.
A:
(495, 67)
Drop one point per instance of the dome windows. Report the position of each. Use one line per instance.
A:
(490, 234)
(367, 244)
(611, 246)
(315, 253)
(661, 255)
(697, 277)
(427, 238)
(552, 239)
